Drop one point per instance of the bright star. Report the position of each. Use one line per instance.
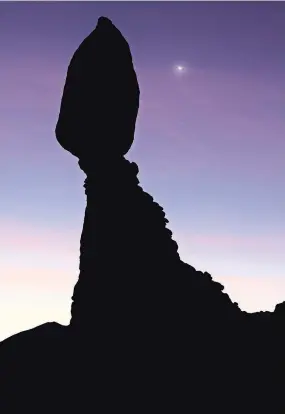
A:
(179, 69)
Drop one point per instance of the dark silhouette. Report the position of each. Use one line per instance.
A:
(148, 332)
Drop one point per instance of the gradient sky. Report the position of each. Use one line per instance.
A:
(209, 143)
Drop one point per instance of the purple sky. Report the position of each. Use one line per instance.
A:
(209, 143)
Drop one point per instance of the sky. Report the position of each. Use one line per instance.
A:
(209, 143)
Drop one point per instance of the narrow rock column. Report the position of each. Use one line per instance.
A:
(126, 251)
(96, 124)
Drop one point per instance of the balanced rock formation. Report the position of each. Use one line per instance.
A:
(148, 332)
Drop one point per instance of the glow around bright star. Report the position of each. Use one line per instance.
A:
(180, 69)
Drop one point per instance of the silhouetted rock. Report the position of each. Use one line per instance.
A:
(148, 332)
(101, 96)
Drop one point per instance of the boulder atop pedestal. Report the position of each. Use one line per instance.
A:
(101, 96)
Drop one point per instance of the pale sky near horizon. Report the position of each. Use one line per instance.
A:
(209, 144)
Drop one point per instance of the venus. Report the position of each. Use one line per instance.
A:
(179, 69)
